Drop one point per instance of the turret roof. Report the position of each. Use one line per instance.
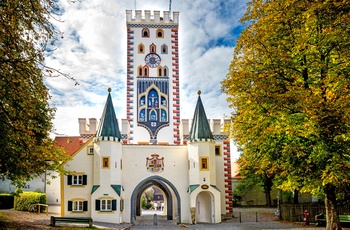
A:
(108, 127)
(200, 129)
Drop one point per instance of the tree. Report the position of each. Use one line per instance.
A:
(25, 114)
(290, 86)
(254, 174)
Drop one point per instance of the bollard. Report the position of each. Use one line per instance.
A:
(240, 217)
(155, 219)
(256, 216)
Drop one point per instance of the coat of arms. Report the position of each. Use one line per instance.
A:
(155, 163)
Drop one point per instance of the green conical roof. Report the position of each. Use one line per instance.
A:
(108, 127)
(200, 129)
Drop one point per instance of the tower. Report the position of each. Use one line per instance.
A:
(153, 95)
(202, 168)
(106, 190)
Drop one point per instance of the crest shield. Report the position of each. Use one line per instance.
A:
(155, 163)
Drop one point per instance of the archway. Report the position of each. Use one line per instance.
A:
(164, 185)
(204, 208)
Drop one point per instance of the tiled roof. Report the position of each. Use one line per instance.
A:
(200, 129)
(71, 144)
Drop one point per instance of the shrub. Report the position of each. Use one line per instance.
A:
(25, 200)
(6, 201)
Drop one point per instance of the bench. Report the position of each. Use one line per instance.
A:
(321, 219)
(84, 220)
(36, 208)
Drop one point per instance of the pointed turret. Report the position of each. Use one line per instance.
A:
(200, 129)
(109, 124)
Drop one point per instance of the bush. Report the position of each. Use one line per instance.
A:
(25, 200)
(6, 201)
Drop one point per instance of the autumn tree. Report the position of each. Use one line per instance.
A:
(253, 175)
(289, 85)
(25, 114)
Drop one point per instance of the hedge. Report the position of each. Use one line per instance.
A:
(25, 200)
(6, 201)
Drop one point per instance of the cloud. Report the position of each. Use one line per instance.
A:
(93, 51)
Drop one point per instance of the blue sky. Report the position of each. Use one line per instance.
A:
(93, 51)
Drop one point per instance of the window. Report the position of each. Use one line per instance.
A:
(145, 71)
(204, 161)
(160, 33)
(121, 204)
(159, 71)
(90, 150)
(217, 151)
(164, 49)
(145, 33)
(77, 180)
(105, 205)
(77, 206)
(152, 48)
(165, 70)
(140, 71)
(105, 162)
(141, 49)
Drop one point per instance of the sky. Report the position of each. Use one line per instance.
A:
(93, 51)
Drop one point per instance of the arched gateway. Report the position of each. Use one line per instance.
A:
(164, 185)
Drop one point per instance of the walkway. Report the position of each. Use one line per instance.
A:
(146, 221)
(266, 220)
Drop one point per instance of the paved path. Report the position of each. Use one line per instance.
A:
(266, 220)
(146, 221)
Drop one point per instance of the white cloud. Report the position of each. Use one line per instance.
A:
(93, 51)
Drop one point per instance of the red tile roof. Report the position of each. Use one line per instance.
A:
(71, 144)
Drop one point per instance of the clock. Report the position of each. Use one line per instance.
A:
(152, 60)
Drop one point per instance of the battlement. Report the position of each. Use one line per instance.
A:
(217, 126)
(147, 17)
(90, 128)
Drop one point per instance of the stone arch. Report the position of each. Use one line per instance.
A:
(161, 183)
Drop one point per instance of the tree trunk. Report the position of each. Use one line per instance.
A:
(267, 190)
(296, 196)
(331, 208)
(268, 198)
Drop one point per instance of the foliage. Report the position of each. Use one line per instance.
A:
(27, 199)
(149, 194)
(6, 201)
(25, 115)
(143, 201)
(289, 85)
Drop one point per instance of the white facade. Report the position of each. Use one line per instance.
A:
(127, 168)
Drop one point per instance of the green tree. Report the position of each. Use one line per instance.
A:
(254, 174)
(25, 115)
(289, 85)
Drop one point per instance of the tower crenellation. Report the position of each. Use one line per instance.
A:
(147, 16)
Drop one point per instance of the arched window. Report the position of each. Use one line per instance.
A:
(164, 49)
(165, 71)
(145, 33)
(160, 33)
(145, 71)
(159, 71)
(152, 48)
(140, 70)
(141, 49)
